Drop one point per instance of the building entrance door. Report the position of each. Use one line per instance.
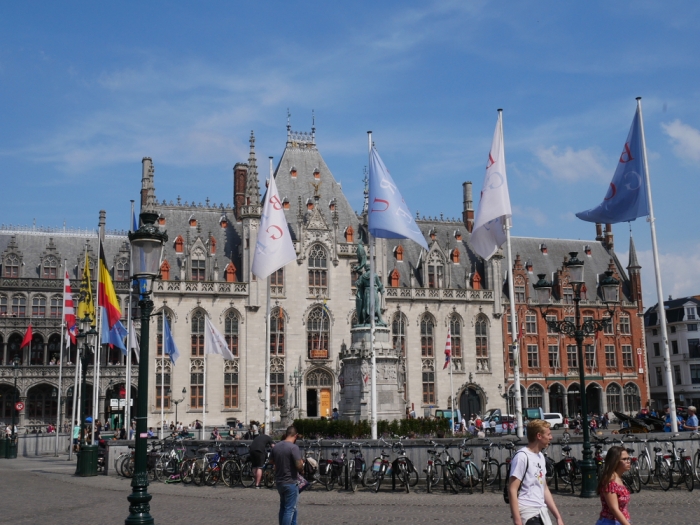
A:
(311, 403)
(326, 402)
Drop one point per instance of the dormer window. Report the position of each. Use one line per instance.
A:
(212, 245)
(349, 234)
(285, 203)
(49, 268)
(11, 266)
(543, 248)
(454, 256)
(198, 264)
(223, 222)
(317, 173)
(398, 253)
(165, 271)
(161, 220)
(179, 244)
(458, 235)
(587, 250)
(293, 172)
(394, 278)
(193, 221)
(230, 273)
(690, 313)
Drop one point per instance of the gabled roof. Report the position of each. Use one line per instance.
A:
(675, 311)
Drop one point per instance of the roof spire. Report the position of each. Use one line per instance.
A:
(365, 205)
(252, 188)
(633, 261)
(313, 127)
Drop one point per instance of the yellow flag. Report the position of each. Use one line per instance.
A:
(86, 304)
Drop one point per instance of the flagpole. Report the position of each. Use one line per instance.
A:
(127, 400)
(372, 309)
(162, 377)
(204, 399)
(660, 310)
(60, 360)
(98, 347)
(513, 319)
(452, 389)
(267, 360)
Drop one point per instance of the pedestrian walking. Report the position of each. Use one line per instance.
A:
(288, 463)
(614, 496)
(529, 495)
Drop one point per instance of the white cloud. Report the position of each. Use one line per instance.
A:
(571, 165)
(678, 273)
(685, 140)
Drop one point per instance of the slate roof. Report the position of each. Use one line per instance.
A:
(594, 265)
(675, 312)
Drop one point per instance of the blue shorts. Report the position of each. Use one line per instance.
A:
(606, 521)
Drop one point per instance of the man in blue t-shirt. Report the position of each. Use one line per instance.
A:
(667, 421)
(691, 424)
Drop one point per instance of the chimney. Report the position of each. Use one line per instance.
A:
(598, 232)
(101, 225)
(146, 182)
(240, 175)
(609, 237)
(468, 208)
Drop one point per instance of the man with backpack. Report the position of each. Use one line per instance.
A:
(528, 493)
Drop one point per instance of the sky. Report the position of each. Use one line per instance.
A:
(87, 90)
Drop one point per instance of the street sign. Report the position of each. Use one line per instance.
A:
(19, 406)
(120, 403)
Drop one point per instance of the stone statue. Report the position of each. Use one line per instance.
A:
(362, 299)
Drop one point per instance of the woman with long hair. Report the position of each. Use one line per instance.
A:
(613, 494)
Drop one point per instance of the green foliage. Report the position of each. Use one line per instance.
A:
(315, 428)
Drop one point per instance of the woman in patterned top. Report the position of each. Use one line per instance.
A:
(613, 494)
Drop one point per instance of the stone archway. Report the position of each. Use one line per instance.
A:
(319, 393)
(472, 400)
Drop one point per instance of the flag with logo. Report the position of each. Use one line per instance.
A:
(107, 297)
(274, 247)
(114, 337)
(169, 347)
(626, 198)
(69, 312)
(494, 203)
(86, 301)
(214, 342)
(448, 350)
(388, 213)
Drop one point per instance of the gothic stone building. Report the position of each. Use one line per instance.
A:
(206, 271)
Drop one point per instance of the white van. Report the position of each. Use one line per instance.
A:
(555, 419)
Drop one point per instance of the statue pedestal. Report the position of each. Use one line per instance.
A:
(356, 390)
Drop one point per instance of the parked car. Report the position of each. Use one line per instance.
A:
(555, 419)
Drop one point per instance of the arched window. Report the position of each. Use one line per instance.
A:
(277, 340)
(41, 404)
(632, 398)
(398, 333)
(435, 270)
(19, 306)
(427, 329)
(318, 273)
(196, 384)
(231, 322)
(179, 244)
(231, 384)
(349, 234)
(277, 282)
(277, 382)
(535, 395)
(454, 256)
(54, 349)
(39, 306)
(317, 332)
(6, 401)
(56, 306)
(163, 370)
(121, 269)
(230, 273)
(159, 330)
(198, 264)
(13, 349)
(197, 333)
(11, 266)
(3, 305)
(36, 356)
(481, 330)
(394, 278)
(614, 397)
(456, 336)
(398, 253)
(49, 268)
(165, 270)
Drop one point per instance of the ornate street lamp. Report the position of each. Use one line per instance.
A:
(295, 382)
(177, 402)
(13, 434)
(508, 396)
(579, 330)
(88, 334)
(146, 257)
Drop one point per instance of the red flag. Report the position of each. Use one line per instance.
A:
(69, 310)
(27, 337)
(448, 350)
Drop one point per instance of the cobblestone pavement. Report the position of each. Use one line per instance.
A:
(44, 490)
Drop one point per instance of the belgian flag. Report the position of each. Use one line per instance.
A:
(106, 297)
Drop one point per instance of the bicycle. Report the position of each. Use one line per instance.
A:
(644, 463)
(696, 457)
(631, 478)
(490, 468)
(356, 465)
(441, 465)
(680, 466)
(381, 467)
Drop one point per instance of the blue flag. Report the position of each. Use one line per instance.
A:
(115, 336)
(168, 343)
(389, 217)
(626, 198)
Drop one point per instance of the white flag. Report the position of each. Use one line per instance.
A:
(132, 341)
(274, 247)
(214, 342)
(488, 234)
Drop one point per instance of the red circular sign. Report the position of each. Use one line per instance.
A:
(19, 406)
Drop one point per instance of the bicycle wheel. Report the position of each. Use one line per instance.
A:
(122, 461)
(117, 464)
(494, 471)
(484, 476)
(352, 475)
(473, 474)
(198, 472)
(128, 467)
(412, 473)
(380, 478)
(211, 474)
(370, 478)
(269, 478)
(247, 475)
(429, 479)
(644, 468)
(231, 472)
(688, 474)
(164, 469)
(402, 475)
(696, 465)
(324, 474)
(635, 481)
(449, 482)
(186, 471)
(663, 475)
(459, 475)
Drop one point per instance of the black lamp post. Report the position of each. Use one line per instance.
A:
(610, 288)
(177, 402)
(508, 395)
(295, 382)
(85, 330)
(146, 256)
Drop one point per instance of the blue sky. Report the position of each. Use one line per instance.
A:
(86, 91)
